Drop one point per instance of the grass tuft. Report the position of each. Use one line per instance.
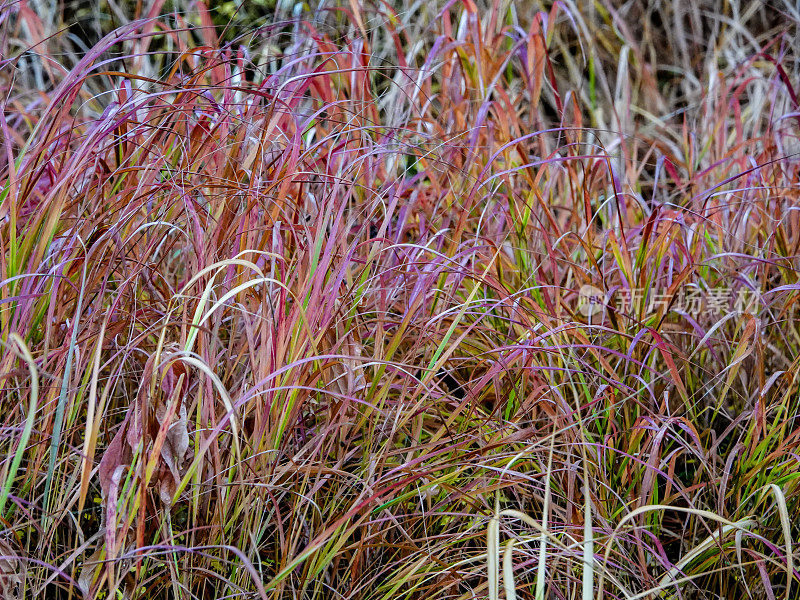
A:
(406, 300)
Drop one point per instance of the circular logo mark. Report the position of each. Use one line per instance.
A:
(591, 300)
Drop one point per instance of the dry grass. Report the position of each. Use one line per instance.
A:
(292, 308)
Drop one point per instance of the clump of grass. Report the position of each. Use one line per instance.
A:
(301, 310)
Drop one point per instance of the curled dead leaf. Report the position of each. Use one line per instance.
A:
(13, 570)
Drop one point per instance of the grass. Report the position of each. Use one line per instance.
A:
(293, 300)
